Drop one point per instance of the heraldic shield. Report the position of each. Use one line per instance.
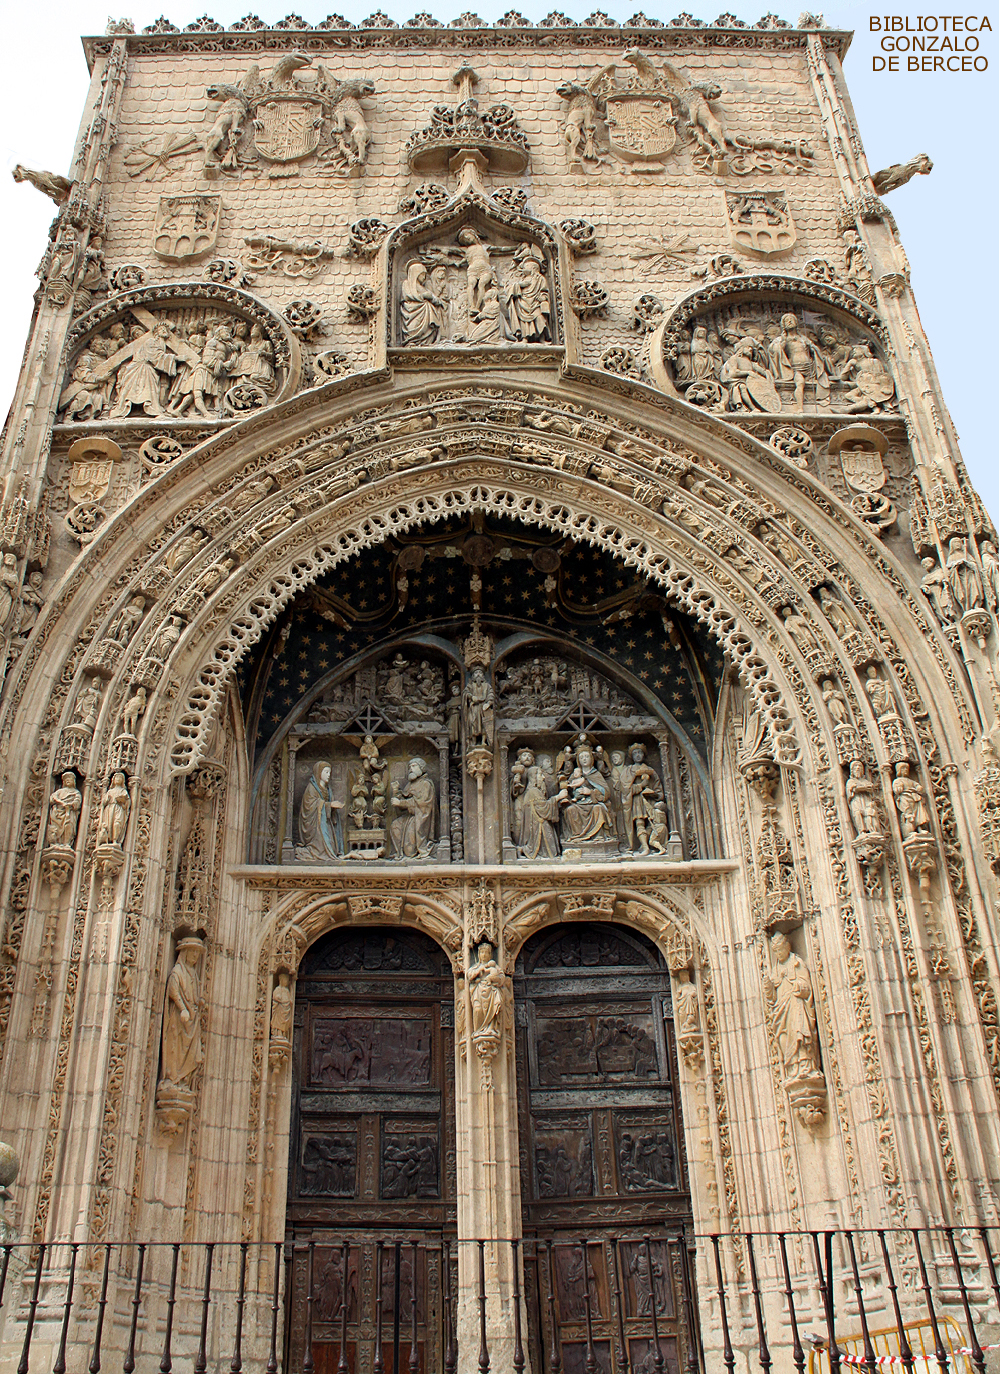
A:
(287, 127)
(760, 221)
(641, 125)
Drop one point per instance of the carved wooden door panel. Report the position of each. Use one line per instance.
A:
(602, 1153)
(372, 1148)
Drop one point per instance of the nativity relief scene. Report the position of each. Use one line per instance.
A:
(499, 731)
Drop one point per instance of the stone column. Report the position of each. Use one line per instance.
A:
(489, 1189)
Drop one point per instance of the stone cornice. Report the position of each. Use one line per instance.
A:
(666, 39)
(339, 881)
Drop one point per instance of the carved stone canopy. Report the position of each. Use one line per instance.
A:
(492, 136)
(189, 352)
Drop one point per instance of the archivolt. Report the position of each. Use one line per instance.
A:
(579, 509)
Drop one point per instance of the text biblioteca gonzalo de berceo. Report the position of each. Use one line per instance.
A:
(929, 42)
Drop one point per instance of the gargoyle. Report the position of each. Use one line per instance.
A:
(57, 188)
(891, 178)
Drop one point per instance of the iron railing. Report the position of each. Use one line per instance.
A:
(668, 1302)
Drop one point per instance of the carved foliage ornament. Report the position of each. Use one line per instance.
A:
(200, 351)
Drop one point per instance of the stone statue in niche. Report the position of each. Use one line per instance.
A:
(964, 580)
(116, 804)
(422, 313)
(861, 801)
(64, 813)
(536, 811)
(478, 704)
(640, 792)
(321, 831)
(413, 833)
(181, 1050)
(788, 988)
(180, 1046)
(530, 305)
(369, 789)
(282, 1005)
(911, 803)
(584, 794)
(761, 357)
(789, 994)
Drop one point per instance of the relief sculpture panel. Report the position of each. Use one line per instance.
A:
(352, 1051)
(765, 356)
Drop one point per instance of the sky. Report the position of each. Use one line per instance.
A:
(948, 220)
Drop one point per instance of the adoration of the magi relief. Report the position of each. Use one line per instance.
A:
(505, 732)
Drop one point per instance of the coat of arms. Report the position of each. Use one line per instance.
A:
(642, 112)
(186, 227)
(760, 221)
(283, 118)
(861, 449)
(287, 127)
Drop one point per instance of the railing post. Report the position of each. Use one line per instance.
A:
(590, 1364)
(518, 1347)
(657, 1352)
(940, 1354)
(166, 1359)
(307, 1354)
(484, 1349)
(414, 1353)
(22, 1367)
(728, 1358)
(129, 1364)
(378, 1365)
(555, 1360)
(201, 1360)
(272, 1354)
(870, 1362)
(620, 1306)
(905, 1353)
(975, 1349)
(798, 1355)
(342, 1367)
(95, 1359)
(826, 1292)
(763, 1353)
(451, 1346)
(693, 1361)
(59, 1367)
(236, 1363)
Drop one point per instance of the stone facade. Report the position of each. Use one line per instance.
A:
(479, 482)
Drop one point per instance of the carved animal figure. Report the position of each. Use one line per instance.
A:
(348, 118)
(581, 121)
(891, 178)
(57, 188)
(220, 141)
(693, 98)
(283, 71)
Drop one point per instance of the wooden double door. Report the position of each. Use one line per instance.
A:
(371, 1202)
(604, 1185)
